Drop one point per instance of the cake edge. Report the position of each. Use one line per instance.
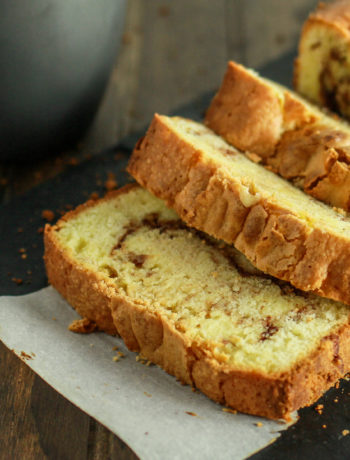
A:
(269, 235)
(147, 332)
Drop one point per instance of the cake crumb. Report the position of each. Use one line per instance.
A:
(24, 256)
(324, 426)
(345, 432)
(319, 408)
(121, 354)
(82, 326)
(140, 359)
(111, 182)
(94, 196)
(18, 281)
(230, 411)
(116, 358)
(259, 424)
(193, 414)
(337, 384)
(115, 348)
(25, 355)
(21, 250)
(336, 400)
(48, 215)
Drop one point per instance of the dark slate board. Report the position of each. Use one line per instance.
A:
(307, 438)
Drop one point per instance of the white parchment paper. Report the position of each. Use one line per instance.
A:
(143, 405)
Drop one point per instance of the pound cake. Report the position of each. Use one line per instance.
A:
(216, 189)
(196, 307)
(285, 133)
(322, 69)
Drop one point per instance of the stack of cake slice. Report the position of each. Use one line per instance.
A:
(161, 266)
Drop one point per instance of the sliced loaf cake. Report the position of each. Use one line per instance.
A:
(195, 306)
(216, 189)
(283, 132)
(322, 69)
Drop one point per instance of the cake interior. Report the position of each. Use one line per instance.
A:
(323, 69)
(255, 182)
(205, 288)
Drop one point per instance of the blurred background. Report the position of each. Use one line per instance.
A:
(169, 54)
(172, 52)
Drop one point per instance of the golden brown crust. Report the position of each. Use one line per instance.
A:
(145, 330)
(275, 396)
(204, 196)
(289, 138)
(239, 97)
(251, 115)
(86, 291)
(335, 14)
(318, 158)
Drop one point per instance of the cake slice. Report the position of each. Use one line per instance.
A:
(218, 190)
(195, 306)
(285, 133)
(322, 69)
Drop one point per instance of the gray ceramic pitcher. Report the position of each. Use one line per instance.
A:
(55, 58)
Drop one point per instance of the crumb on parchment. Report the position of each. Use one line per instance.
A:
(82, 326)
(230, 411)
(25, 355)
